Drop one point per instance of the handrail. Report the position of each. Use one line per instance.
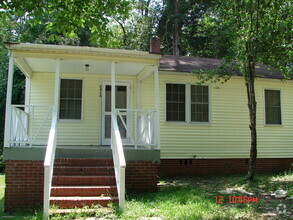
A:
(32, 106)
(49, 165)
(119, 160)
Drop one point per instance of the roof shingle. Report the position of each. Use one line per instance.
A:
(175, 63)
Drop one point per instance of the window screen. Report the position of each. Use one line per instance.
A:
(273, 107)
(199, 103)
(70, 99)
(175, 102)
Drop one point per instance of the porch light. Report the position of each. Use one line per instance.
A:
(87, 67)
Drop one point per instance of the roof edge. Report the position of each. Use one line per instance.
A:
(81, 49)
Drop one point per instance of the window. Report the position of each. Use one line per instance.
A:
(273, 107)
(199, 103)
(175, 102)
(70, 99)
(187, 103)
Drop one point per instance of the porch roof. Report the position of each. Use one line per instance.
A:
(40, 58)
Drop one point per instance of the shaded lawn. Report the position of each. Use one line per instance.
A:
(2, 187)
(194, 198)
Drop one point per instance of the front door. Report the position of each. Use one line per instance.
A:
(122, 102)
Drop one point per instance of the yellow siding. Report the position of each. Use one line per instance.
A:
(227, 135)
(87, 131)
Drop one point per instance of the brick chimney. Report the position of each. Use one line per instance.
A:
(155, 45)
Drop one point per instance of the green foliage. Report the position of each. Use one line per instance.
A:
(192, 41)
(2, 164)
(67, 17)
(220, 74)
(252, 31)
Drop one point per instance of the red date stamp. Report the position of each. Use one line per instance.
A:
(236, 199)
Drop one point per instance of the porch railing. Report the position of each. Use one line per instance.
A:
(29, 124)
(139, 125)
(49, 165)
(119, 160)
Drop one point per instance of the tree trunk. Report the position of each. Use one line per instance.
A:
(176, 50)
(252, 116)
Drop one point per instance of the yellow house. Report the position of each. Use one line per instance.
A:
(96, 121)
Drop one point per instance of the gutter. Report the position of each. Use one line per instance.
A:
(79, 49)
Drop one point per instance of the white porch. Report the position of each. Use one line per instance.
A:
(26, 125)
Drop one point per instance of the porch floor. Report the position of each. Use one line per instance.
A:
(37, 152)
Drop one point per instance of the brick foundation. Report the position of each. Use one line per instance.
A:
(142, 176)
(24, 184)
(25, 179)
(179, 167)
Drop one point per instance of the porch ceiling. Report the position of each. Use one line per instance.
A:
(75, 66)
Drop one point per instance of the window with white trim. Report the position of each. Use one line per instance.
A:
(175, 102)
(273, 107)
(199, 103)
(187, 103)
(70, 99)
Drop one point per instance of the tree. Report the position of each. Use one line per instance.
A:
(134, 32)
(254, 31)
(179, 28)
(170, 26)
(67, 17)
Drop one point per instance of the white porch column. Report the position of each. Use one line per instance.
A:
(113, 96)
(7, 135)
(157, 104)
(113, 87)
(138, 94)
(27, 93)
(57, 87)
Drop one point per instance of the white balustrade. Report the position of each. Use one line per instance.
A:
(141, 131)
(29, 124)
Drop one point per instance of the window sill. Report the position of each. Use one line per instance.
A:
(70, 120)
(272, 125)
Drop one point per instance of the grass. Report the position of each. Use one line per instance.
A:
(2, 185)
(194, 198)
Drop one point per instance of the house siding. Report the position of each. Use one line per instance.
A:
(85, 131)
(227, 135)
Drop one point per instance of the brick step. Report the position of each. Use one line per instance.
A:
(83, 191)
(83, 180)
(79, 202)
(84, 162)
(83, 171)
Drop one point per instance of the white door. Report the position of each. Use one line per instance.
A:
(122, 102)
